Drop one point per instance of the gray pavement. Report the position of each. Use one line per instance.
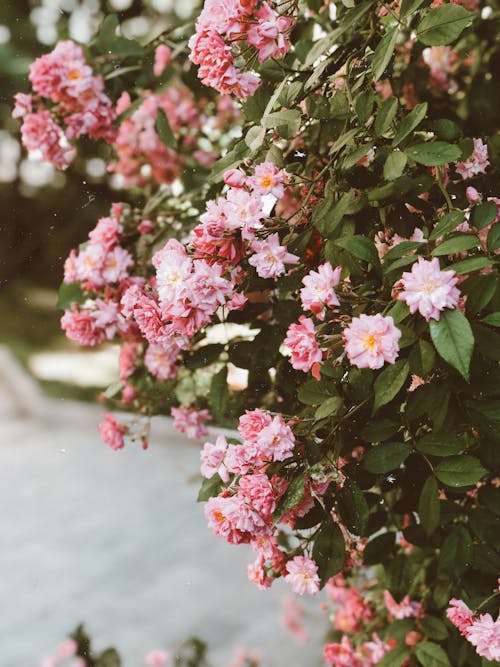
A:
(116, 540)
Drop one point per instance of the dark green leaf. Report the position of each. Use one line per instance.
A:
(352, 159)
(483, 215)
(292, 497)
(434, 153)
(433, 627)
(480, 290)
(456, 244)
(471, 264)
(164, 130)
(359, 246)
(108, 658)
(428, 506)
(493, 241)
(422, 359)
(379, 549)
(314, 392)
(210, 487)
(453, 339)
(219, 394)
(329, 407)
(410, 122)
(430, 654)
(389, 382)
(384, 52)
(441, 444)
(380, 430)
(443, 25)
(69, 293)
(457, 471)
(409, 7)
(394, 165)
(353, 507)
(386, 115)
(456, 552)
(329, 550)
(386, 457)
(398, 655)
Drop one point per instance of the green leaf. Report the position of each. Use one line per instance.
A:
(448, 223)
(164, 130)
(329, 407)
(363, 105)
(352, 159)
(108, 658)
(433, 627)
(329, 550)
(219, 393)
(453, 339)
(359, 246)
(458, 471)
(380, 430)
(402, 249)
(335, 215)
(315, 392)
(493, 241)
(353, 508)
(428, 653)
(456, 552)
(434, 153)
(389, 382)
(68, 294)
(292, 497)
(397, 656)
(409, 123)
(441, 444)
(493, 319)
(409, 7)
(114, 389)
(386, 115)
(483, 215)
(471, 264)
(210, 487)
(230, 160)
(443, 25)
(384, 52)
(291, 118)
(394, 165)
(428, 506)
(254, 138)
(386, 457)
(422, 359)
(379, 549)
(456, 244)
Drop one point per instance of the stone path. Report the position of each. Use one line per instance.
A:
(117, 540)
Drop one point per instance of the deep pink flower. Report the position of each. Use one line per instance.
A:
(258, 492)
(112, 432)
(41, 133)
(428, 289)
(301, 340)
(404, 609)
(251, 424)
(81, 327)
(23, 105)
(460, 615)
(341, 654)
(302, 575)
(160, 360)
(162, 58)
(372, 341)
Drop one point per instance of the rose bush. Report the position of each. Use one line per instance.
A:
(310, 254)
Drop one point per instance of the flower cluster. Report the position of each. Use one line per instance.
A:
(221, 30)
(68, 102)
(481, 631)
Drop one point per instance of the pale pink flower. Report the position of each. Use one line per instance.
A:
(240, 459)
(372, 341)
(276, 441)
(476, 163)
(163, 54)
(302, 575)
(301, 340)
(191, 422)
(112, 432)
(23, 105)
(106, 233)
(66, 650)
(318, 293)
(116, 264)
(157, 658)
(404, 609)
(441, 61)
(416, 381)
(428, 289)
(81, 327)
(212, 457)
(268, 179)
(460, 615)
(472, 195)
(269, 34)
(243, 210)
(484, 635)
(160, 360)
(270, 257)
(235, 178)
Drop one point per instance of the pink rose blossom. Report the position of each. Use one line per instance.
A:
(404, 609)
(341, 654)
(270, 257)
(258, 492)
(302, 575)
(460, 615)
(40, 132)
(276, 441)
(235, 178)
(251, 424)
(428, 289)
(318, 293)
(81, 327)
(472, 195)
(23, 105)
(268, 179)
(484, 635)
(476, 163)
(212, 457)
(191, 422)
(301, 340)
(160, 360)
(269, 34)
(162, 58)
(372, 341)
(157, 658)
(112, 432)
(66, 650)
